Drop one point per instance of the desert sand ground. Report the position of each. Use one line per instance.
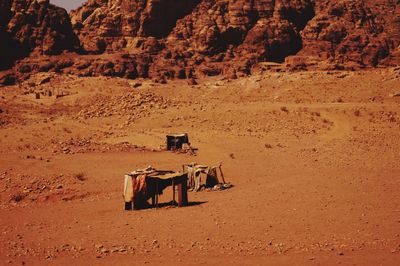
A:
(313, 157)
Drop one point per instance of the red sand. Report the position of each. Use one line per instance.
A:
(313, 157)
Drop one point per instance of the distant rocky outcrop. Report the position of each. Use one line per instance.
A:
(230, 36)
(167, 39)
(114, 25)
(7, 44)
(361, 33)
(34, 27)
(213, 37)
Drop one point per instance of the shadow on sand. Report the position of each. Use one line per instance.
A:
(170, 204)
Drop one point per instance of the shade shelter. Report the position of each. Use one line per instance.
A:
(177, 141)
(203, 176)
(142, 185)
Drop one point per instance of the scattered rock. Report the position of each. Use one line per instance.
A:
(104, 251)
(137, 85)
(134, 104)
(98, 246)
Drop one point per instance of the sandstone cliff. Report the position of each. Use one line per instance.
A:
(229, 36)
(353, 32)
(212, 37)
(166, 39)
(34, 27)
(113, 25)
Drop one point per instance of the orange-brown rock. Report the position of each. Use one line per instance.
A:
(32, 28)
(353, 32)
(38, 27)
(221, 35)
(167, 39)
(114, 25)
(41, 27)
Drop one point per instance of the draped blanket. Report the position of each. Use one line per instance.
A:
(202, 176)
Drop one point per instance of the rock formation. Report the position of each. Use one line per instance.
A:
(37, 27)
(225, 36)
(353, 32)
(7, 44)
(113, 25)
(212, 37)
(166, 39)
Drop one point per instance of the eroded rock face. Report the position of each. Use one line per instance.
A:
(30, 26)
(5, 12)
(166, 39)
(114, 24)
(10, 49)
(224, 36)
(41, 27)
(353, 32)
(6, 42)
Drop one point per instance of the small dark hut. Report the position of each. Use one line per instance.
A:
(176, 141)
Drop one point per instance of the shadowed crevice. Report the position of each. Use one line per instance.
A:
(163, 15)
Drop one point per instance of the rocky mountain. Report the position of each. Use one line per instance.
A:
(231, 36)
(207, 36)
(118, 24)
(353, 32)
(30, 27)
(166, 39)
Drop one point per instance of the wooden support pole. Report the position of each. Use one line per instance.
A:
(128, 206)
(173, 191)
(182, 191)
(222, 175)
(156, 193)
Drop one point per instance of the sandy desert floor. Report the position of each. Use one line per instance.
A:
(314, 158)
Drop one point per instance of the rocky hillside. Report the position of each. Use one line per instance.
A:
(165, 39)
(34, 27)
(113, 25)
(353, 32)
